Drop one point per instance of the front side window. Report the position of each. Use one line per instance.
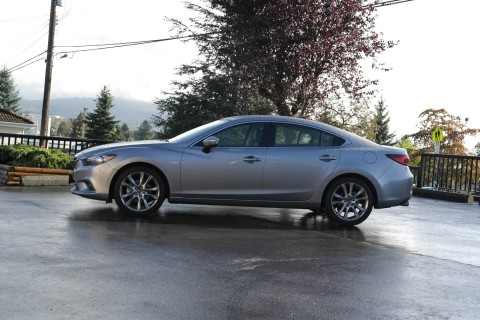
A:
(244, 135)
(287, 135)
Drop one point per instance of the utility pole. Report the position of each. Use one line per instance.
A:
(48, 71)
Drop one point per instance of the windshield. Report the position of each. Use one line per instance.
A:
(198, 131)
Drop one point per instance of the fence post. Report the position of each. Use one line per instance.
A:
(420, 172)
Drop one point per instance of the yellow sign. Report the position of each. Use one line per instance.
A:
(437, 135)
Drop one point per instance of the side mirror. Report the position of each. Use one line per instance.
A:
(209, 143)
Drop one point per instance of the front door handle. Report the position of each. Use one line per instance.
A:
(251, 159)
(327, 157)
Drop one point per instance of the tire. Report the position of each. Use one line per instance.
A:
(139, 191)
(349, 201)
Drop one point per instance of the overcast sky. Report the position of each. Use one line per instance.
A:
(435, 64)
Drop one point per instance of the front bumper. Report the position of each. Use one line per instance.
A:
(92, 182)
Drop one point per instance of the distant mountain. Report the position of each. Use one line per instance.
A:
(132, 112)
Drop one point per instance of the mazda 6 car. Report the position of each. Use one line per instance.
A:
(267, 161)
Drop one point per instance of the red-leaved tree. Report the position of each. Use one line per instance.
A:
(294, 53)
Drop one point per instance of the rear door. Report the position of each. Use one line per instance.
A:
(298, 160)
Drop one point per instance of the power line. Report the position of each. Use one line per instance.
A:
(25, 63)
(132, 43)
(95, 47)
(31, 45)
(20, 19)
(20, 40)
(44, 25)
(105, 46)
(389, 3)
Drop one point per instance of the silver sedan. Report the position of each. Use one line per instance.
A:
(250, 161)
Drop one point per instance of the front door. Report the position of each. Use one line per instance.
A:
(231, 170)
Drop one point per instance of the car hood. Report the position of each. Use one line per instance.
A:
(112, 147)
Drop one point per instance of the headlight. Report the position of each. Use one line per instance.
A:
(98, 159)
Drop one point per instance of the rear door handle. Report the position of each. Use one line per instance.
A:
(327, 157)
(251, 159)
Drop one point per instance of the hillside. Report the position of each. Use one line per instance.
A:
(132, 112)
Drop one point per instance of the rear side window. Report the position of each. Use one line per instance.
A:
(287, 135)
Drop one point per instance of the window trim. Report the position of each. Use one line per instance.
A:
(262, 143)
(268, 135)
(338, 141)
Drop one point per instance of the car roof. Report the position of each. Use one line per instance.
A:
(286, 119)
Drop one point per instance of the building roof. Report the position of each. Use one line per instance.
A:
(6, 116)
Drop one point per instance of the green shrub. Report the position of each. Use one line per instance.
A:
(36, 157)
(5, 155)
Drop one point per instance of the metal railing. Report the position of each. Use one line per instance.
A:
(450, 173)
(443, 172)
(69, 145)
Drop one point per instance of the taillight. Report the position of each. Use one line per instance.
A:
(400, 158)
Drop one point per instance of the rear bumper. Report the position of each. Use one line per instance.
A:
(395, 189)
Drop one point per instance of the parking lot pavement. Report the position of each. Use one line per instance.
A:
(67, 257)
(440, 229)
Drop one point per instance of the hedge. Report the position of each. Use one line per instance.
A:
(35, 157)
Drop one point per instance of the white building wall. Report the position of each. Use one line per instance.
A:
(37, 120)
(9, 129)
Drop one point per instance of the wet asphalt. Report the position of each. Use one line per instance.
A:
(65, 257)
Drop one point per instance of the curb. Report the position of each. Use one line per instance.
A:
(34, 181)
(442, 195)
(27, 176)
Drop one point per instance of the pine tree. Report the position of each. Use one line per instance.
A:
(382, 121)
(125, 131)
(64, 129)
(119, 136)
(78, 126)
(144, 131)
(101, 124)
(9, 94)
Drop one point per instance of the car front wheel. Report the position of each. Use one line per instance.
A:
(349, 201)
(139, 190)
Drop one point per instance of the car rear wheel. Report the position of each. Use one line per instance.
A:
(139, 190)
(349, 201)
